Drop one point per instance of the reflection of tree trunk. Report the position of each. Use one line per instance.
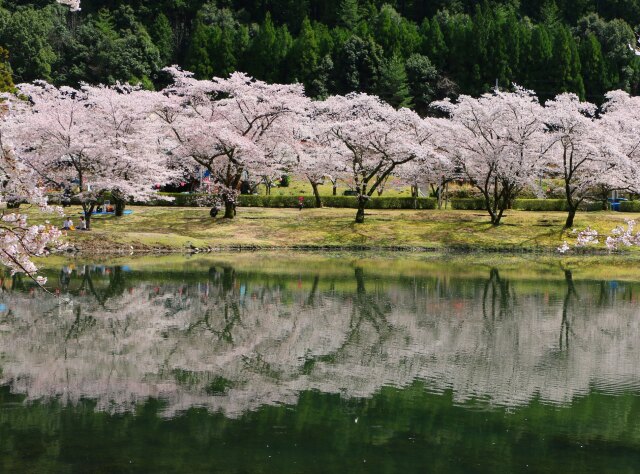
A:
(497, 292)
(360, 281)
(228, 278)
(314, 291)
(565, 325)
(87, 282)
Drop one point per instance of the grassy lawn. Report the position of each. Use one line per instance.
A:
(165, 228)
(299, 187)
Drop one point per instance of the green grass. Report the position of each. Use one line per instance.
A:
(171, 229)
(299, 187)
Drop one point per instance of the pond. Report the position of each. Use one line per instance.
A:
(291, 363)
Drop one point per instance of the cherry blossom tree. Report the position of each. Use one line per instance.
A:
(318, 161)
(432, 167)
(20, 242)
(370, 139)
(620, 130)
(231, 127)
(90, 141)
(496, 141)
(577, 151)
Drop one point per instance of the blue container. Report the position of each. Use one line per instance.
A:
(615, 206)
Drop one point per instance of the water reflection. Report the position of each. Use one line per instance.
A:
(232, 340)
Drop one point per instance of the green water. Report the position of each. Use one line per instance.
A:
(297, 363)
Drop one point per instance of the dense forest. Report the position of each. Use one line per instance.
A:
(409, 52)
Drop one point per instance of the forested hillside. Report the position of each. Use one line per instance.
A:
(407, 51)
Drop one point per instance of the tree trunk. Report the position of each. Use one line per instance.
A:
(88, 212)
(229, 209)
(316, 193)
(572, 214)
(362, 203)
(335, 189)
(119, 206)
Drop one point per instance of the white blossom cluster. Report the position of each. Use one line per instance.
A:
(74, 5)
(620, 237)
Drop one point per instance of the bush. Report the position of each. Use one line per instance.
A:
(336, 201)
(524, 205)
(630, 206)
(540, 204)
(179, 200)
(465, 192)
(285, 181)
(255, 200)
(469, 204)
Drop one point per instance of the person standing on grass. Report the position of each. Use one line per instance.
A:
(300, 202)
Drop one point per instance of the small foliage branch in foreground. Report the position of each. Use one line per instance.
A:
(620, 237)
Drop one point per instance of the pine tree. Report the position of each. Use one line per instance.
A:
(197, 59)
(258, 61)
(565, 66)
(434, 45)
(393, 86)
(222, 51)
(348, 14)
(595, 74)
(163, 37)
(539, 63)
(422, 79)
(304, 54)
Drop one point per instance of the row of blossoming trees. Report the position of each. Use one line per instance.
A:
(125, 141)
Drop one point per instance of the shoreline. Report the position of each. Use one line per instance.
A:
(165, 230)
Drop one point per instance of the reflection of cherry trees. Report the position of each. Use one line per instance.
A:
(232, 341)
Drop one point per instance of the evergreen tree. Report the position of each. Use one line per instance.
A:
(197, 59)
(6, 75)
(304, 55)
(565, 66)
(433, 44)
(393, 86)
(163, 38)
(320, 86)
(222, 51)
(348, 14)
(259, 57)
(357, 65)
(539, 61)
(595, 74)
(25, 34)
(422, 78)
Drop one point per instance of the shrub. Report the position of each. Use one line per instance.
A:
(285, 181)
(540, 204)
(336, 201)
(630, 206)
(465, 192)
(255, 200)
(469, 204)
(179, 200)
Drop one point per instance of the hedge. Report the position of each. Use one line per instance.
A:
(630, 206)
(468, 204)
(336, 201)
(525, 205)
(255, 200)
(541, 205)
